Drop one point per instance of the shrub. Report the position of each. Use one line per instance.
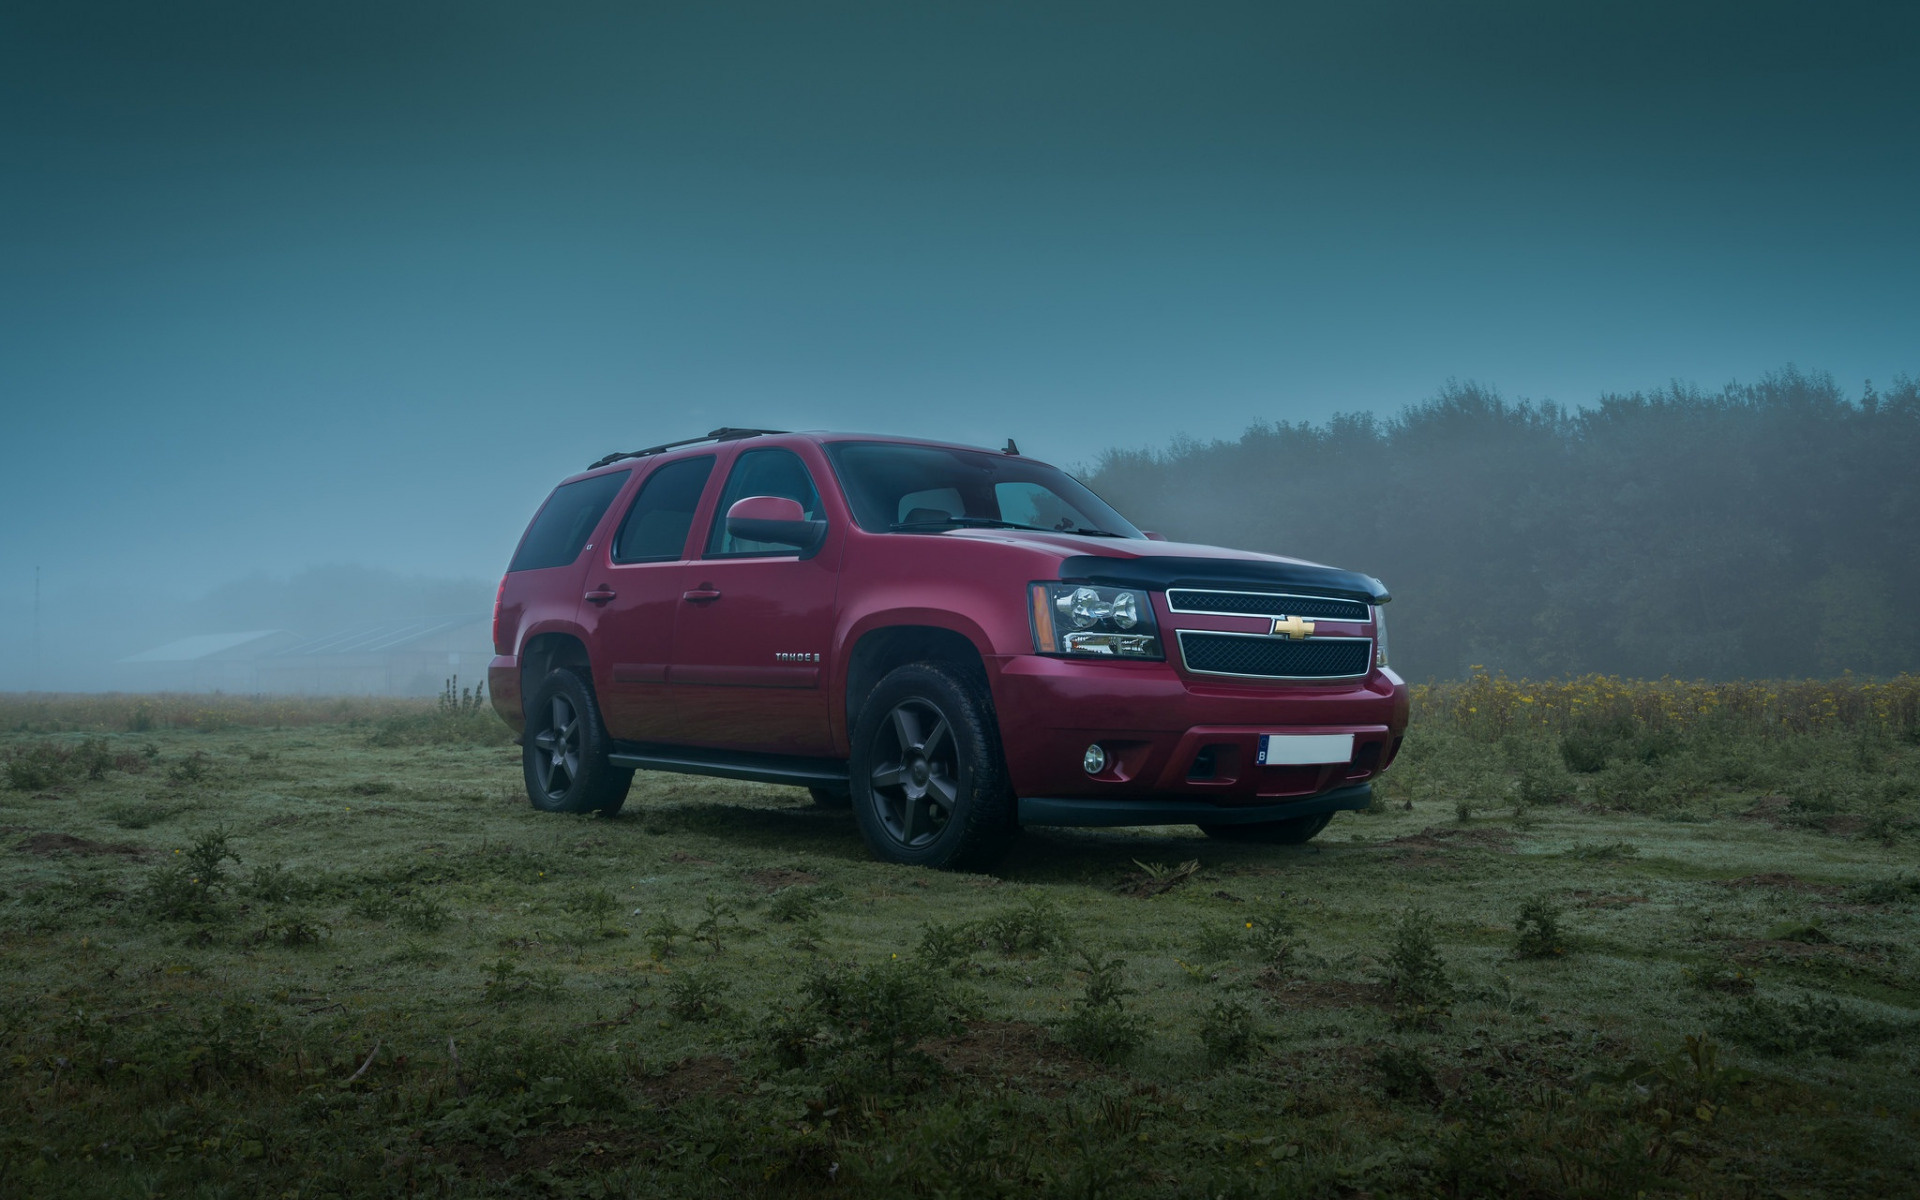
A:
(696, 995)
(1413, 969)
(791, 904)
(1100, 1027)
(37, 766)
(1033, 925)
(1537, 930)
(946, 947)
(189, 888)
(1403, 1072)
(876, 1015)
(1231, 1030)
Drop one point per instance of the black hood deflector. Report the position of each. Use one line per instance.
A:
(1157, 574)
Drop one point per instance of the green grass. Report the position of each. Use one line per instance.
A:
(348, 960)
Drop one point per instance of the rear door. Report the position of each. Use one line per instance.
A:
(633, 596)
(754, 627)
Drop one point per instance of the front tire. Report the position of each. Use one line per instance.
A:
(564, 754)
(1293, 832)
(929, 785)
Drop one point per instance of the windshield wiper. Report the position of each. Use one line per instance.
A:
(990, 523)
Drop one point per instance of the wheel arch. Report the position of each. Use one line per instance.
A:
(546, 650)
(883, 646)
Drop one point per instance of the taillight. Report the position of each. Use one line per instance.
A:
(499, 593)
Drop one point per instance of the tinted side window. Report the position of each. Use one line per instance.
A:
(762, 473)
(657, 525)
(566, 521)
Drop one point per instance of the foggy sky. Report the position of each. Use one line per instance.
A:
(295, 284)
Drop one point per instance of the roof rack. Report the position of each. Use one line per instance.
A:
(725, 433)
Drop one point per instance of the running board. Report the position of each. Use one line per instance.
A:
(789, 769)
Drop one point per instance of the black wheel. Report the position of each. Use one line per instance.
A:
(929, 786)
(831, 797)
(564, 754)
(1274, 833)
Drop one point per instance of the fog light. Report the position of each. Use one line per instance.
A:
(1095, 760)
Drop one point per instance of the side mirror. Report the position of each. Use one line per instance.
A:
(1151, 536)
(776, 520)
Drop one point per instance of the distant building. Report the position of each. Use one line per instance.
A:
(207, 662)
(386, 658)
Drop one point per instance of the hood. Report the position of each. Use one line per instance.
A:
(1156, 566)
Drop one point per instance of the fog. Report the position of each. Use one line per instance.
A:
(303, 310)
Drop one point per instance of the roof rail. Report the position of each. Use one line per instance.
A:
(725, 433)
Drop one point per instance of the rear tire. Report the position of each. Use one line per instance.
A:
(1292, 832)
(929, 786)
(563, 756)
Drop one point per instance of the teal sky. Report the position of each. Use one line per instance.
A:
(294, 284)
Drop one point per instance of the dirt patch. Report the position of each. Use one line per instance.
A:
(1587, 899)
(1321, 993)
(283, 819)
(999, 1049)
(709, 1075)
(1781, 880)
(1439, 837)
(681, 856)
(48, 844)
(1762, 950)
(775, 878)
(556, 1149)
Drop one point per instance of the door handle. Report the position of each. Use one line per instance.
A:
(700, 595)
(601, 595)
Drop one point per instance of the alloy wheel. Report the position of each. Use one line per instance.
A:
(916, 773)
(557, 750)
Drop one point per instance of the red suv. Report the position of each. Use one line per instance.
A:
(957, 642)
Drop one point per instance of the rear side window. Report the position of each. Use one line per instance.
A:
(657, 525)
(566, 521)
(762, 473)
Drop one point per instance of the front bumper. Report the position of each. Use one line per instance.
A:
(1171, 738)
(1054, 810)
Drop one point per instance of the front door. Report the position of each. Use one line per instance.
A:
(633, 596)
(751, 639)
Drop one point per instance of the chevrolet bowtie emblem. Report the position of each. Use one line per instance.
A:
(1292, 627)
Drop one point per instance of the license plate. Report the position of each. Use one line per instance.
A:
(1305, 749)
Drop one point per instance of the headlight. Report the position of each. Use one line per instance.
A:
(1379, 635)
(1073, 618)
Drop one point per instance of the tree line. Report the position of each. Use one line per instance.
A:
(1764, 530)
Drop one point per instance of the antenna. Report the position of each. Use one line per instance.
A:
(1011, 448)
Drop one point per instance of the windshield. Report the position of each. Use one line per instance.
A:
(928, 488)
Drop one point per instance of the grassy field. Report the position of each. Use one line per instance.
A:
(1647, 942)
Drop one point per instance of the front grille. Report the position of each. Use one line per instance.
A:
(1275, 657)
(1266, 604)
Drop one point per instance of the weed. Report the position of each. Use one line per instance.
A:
(1413, 970)
(946, 947)
(1100, 1027)
(194, 768)
(794, 903)
(273, 881)
(375, 904)
(806, 936)
(596, 906)
(1156, 879)
(696, 995)
(1035, 925)
(1270, 932)
(1537, 930)
(37, 766)
(292, 930)
(1732, 980)
(1806, 932)
(717, 921)
(878, 1014)
(661, 935)
(422, 911)
(1231, 1030)
(188, 888)
(504, 981)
